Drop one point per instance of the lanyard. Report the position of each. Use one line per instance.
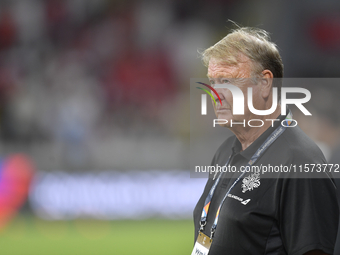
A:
(273, 136)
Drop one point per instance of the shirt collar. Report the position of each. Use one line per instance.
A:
(250, 151)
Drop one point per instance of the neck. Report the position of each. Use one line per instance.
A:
(248, 135)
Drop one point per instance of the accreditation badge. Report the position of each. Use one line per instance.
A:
(202, 245)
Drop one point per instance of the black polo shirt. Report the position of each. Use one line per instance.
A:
(280, 215)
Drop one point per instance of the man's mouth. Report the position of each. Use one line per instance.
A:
(222, 109)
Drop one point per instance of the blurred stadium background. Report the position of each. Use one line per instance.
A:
(94, 114)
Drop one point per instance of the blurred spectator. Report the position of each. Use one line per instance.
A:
(80, 72)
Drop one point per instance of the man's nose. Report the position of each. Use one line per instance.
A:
(219, 92)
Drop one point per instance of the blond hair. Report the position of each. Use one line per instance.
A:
(251, 42)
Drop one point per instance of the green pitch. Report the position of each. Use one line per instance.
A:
(31, 236)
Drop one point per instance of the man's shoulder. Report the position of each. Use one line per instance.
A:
(298, 145)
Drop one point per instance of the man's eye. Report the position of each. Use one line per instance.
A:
(212, 82)
(226, 81)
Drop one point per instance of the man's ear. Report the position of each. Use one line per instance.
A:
(266, 83)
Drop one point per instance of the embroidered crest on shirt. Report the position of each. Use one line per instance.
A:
(250, 182)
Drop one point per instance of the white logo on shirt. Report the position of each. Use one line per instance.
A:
(250, 182)
(245, 202)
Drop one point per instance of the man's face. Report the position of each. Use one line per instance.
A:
(238, 75)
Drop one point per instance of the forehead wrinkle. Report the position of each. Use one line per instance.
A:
(225, 74)
(219, 75)
(242, 69)
(234, 72)
(217, 72)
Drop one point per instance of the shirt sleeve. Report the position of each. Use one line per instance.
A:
(308, 215)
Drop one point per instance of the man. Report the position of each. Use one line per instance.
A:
(246, 213)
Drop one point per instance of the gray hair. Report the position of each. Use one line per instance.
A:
(253, 43)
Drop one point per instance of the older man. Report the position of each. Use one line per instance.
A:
(245, 213)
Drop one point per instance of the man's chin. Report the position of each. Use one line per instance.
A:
(224, 116)
(227, 125)
(227, 119)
